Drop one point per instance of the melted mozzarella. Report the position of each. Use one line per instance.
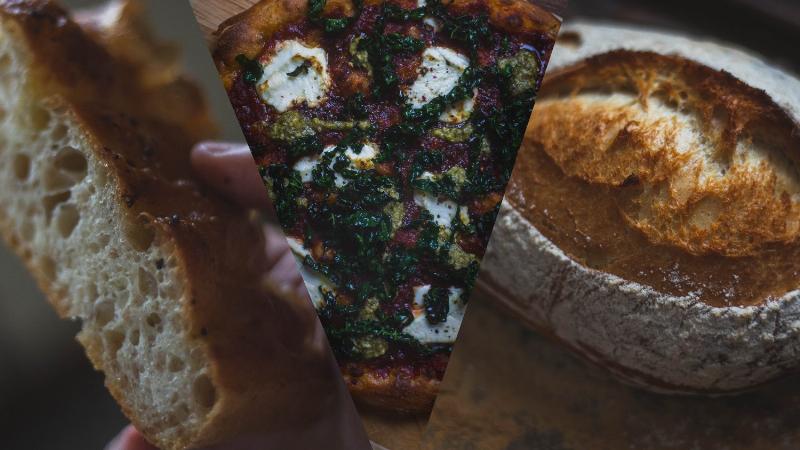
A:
(363, 160)
(419, 297)
(312, 279)
(311, 85)
(430, 21)
(439, 333)
(306, 166)
(442, 210)
(439, 73)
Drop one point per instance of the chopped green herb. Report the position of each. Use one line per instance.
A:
(251, 69)
(437, 305)
(330, 25)
(302, 69)
(286, 186)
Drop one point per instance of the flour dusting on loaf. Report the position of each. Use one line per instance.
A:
(655, 201)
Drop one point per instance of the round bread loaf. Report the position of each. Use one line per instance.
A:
(652, 222)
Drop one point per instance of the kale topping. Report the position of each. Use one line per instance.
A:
(330, 25)
(286, 188)
(342, 337)
(437, 305)
(467, 30)
(302, 69)
(251, 69)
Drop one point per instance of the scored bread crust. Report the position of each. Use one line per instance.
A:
(221, 348)
(661, 341)
(250, 31)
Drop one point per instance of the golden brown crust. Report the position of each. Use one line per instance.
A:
(393, 391)
(679, 177)
(247, 33)
(254, 338)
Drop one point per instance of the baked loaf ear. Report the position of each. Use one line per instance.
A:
(656, 204)
(97, 198)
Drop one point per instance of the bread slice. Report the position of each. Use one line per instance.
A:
(97, 198)
(655, 202)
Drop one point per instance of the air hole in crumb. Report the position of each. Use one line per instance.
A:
(104, 313)
(140, 235)
(175, 364)
(40, 118)
(134, 337)
(182, 412)
(203, 391)
(114, 340)
(51, 201)
(5, 63)
(22, 166)
(48, 267)
(148, 286)
(71, 160)
(59, 132)
(153, 320)
(67, 219)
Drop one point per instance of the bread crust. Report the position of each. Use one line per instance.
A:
(394, 391)
(249, 32)
(255, 339)
(658, 338)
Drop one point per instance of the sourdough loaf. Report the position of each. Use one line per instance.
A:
(653, 218)
(97, 198)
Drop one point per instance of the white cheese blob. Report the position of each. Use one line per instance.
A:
(428, 20)
(419, 298)
(306, 167)
(442, 210)
(310, 84)
(363, 160)
(439, 73)
(439, 333)
(313, 280)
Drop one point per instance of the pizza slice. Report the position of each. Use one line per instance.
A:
(386, 133)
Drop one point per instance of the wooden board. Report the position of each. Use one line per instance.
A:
(211, 13)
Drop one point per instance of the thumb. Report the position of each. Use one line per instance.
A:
(230, 169)
(129, 439)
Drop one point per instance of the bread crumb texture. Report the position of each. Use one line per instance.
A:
(61, 212)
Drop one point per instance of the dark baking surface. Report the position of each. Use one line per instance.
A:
(509, 388)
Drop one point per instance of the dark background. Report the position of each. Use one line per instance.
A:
(768, 27)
